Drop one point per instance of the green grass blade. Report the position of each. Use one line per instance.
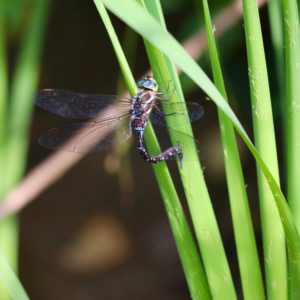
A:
(24, 83)
(197, 208)
(130, 82)
(292, 50)
(244, 235)
(193, 269)
(187, 250)
(3, 90)
(154, 7)
(275, 9)
(277, 34)
(3, 73)
(146, 25)
(201, 210)
(129, 46)
(10, 280)
(264, 135)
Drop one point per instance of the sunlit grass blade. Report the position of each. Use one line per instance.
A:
(187, 250)
(133, 15)
(129, 46)
(199, 202)
(10, 280)
(275, 9)
(264, 136)
(154, 7)
(292, 50)
(130, 82)
(244, 235)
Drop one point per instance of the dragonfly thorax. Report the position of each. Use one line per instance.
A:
(142, 105)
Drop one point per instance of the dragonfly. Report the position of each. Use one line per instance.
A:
(110, 121)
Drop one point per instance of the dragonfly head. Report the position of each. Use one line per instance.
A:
(148, 83)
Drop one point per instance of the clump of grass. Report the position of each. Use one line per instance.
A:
(276, 216)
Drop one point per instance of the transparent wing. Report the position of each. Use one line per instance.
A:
(79, 106)
(88, 137)
(161, 113)
(168, 137)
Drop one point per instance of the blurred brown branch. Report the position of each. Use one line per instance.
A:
(57, 164)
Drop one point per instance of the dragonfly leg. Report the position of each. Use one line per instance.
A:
(161, 157)
(164, 93)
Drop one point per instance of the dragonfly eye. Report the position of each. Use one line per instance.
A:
(150, 85)
(140, 84)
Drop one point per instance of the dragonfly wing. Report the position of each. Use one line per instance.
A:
(168, 137)
(88, 137)
(79, 106)
(162, 112)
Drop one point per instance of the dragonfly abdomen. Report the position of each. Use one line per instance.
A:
(161, 157)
